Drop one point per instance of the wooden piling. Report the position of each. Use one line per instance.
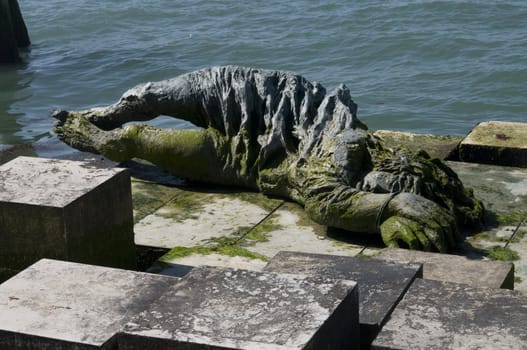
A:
(13, 31)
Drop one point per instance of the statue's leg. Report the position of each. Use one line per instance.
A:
(196, 154)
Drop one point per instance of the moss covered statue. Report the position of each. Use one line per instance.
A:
(280, 134)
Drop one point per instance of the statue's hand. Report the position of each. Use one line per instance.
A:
(418, 223)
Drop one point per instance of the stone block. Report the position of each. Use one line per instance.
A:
(65, 210)
(437, 146)
(238, 309)
(62, 305)
(455, 268)
(443, 315)
(381, 284)
(495, 142)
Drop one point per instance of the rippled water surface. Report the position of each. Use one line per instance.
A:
(424, 66)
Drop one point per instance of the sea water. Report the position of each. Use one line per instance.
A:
(422, 66)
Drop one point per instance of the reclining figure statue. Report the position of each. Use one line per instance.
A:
(280, 134)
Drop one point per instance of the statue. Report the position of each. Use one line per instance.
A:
(278, 133)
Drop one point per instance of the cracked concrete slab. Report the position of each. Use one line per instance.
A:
(147, 197)
(289, 228)
(193, 217)
(503, 190)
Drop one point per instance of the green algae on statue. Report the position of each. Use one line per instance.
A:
(280, 134)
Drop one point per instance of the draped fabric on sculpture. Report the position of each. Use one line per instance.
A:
(267, 113)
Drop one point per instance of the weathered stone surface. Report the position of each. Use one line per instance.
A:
(62, 305)
(495, 142)
(147, 197)
(437, 146)
(442, 315)
(503, 190)
(239, 309)
(64, 209)
(381, 284)
(179, 265)
(193, 217)
(290, 229)
(455, 268)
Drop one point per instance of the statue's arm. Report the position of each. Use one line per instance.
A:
(191, 97)
(403, 219)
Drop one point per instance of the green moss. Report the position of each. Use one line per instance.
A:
(401, 232)
(147, 198)
(485, 236)
(188, 201)
(181, 252)
(482, 236)
(437, 146)
(260, 231)
(512, 218)
(238, 251)
(517, 279)
(258, 199)
(225, 248)
(502, 254)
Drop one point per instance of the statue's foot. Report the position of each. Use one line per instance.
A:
(77, 131)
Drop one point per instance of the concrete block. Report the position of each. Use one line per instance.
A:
(381, 284)
(437, 146)
(443, 315)
(455, 268)
(495, 142)
(65, 210)
(238, 309)
(63, 305)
